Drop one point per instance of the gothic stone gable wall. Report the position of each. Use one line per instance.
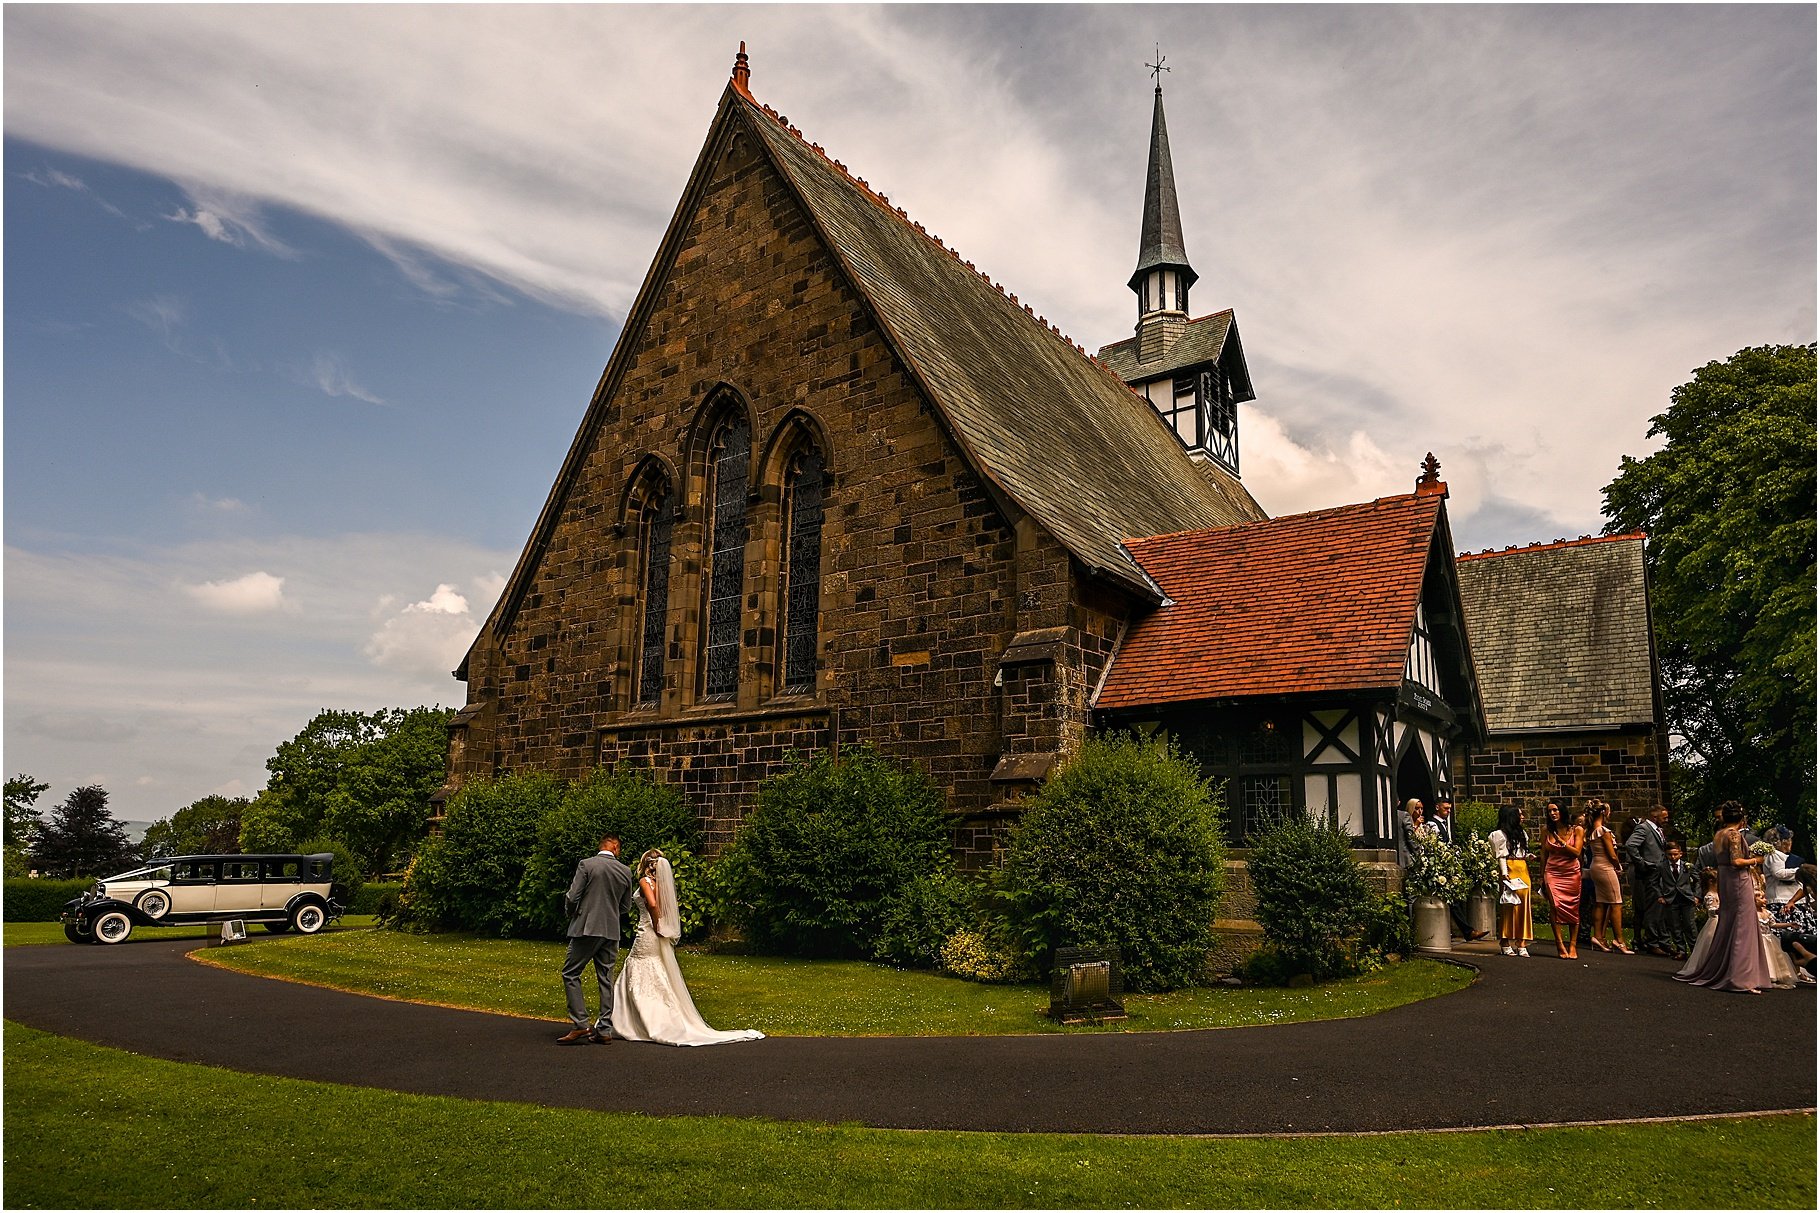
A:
(924, 581)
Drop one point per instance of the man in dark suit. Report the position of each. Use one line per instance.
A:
(600, 893)
(1645, 850)
(1442, 826)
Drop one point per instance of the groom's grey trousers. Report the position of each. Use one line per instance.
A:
(602, 952)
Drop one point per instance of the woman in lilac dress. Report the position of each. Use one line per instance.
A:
(1734, 960)
(1561, 842)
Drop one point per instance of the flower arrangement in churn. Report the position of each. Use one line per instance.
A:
(1479, 864)
(1434, 870)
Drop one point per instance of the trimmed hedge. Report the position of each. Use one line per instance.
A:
(29, 900)
(372, 893)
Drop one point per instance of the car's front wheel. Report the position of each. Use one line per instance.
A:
(153, 903)
(113, 927)
(309, 918)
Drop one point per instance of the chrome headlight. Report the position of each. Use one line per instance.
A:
(100, 890)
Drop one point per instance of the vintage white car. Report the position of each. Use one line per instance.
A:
(282, 892)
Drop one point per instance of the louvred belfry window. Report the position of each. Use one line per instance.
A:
(654, 550)
(729, 455)
(806, 486)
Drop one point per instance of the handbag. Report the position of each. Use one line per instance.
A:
(1510, 897)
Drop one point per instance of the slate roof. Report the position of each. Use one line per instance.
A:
(1560, 634)
(1322, 602)
(1160, 242)
(1201, 341)
(1056, 432)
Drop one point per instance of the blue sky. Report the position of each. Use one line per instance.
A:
(303, 304)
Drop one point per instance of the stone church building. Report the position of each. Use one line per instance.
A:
(836, 486)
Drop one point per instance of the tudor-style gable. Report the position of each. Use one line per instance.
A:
(1314, 660)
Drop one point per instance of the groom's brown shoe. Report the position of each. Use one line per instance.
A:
(598, 1037)
(580, 1036)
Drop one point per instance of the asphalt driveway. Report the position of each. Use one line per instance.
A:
(1510, 1049)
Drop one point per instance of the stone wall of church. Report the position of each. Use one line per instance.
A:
(1622, 768)
(925, 582)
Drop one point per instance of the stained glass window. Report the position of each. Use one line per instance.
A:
(803, 572)
(729, 455)
(654, 548)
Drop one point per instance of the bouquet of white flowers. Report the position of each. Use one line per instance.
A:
(1434, 870)
(1480, 864)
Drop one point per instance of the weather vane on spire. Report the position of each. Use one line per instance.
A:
(1157, 69)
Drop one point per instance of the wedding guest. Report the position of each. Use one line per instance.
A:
(1562, 841)
(1510, 844)
(1442, 828)
(1775, 958)
(1677, 891)
(1735, 961)
(1794, 926)
(1409, 824)
(1608, 893)
(1644, 849)
(1780, 876)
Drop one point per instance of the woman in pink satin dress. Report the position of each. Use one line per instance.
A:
(1561, 842)
(1734, 960)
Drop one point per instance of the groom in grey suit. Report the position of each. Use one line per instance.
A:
(599, 894)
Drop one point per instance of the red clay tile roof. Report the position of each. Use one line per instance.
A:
(1309, 602)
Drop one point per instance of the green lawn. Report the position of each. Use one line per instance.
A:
(90, 1127)
(786, 997)
(32, 934)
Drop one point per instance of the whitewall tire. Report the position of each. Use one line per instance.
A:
(308, 919)
(153, 903)
(112, 926)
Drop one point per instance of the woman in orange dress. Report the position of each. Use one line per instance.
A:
(1510, 843)
(1562, 839)
(1608, 893)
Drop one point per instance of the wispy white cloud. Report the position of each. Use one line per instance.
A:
(328, 374)
(257, 593)
(168, 316)
(231, 219)
(53, 178)
(217, 505)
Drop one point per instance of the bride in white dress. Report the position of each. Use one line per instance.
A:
(650, 1001)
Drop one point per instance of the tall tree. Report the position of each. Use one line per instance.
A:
(1729, 506)
(363, 778)
(22, 824)
(22, 792)
(207, 827)
(81, 837)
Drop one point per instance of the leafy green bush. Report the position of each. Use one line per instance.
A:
(633, 804)
(1474, 817)
(981, 954)
(1388, 929)
(348, 877)
(468, 876)
(1312, 900)
(29, 900)
(830, 842)
(922, 916)
(1121, 848)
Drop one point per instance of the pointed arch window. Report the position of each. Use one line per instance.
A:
(654, 581)
(729, 458)
(805, 494)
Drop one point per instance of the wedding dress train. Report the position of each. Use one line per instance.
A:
(650, 1000)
